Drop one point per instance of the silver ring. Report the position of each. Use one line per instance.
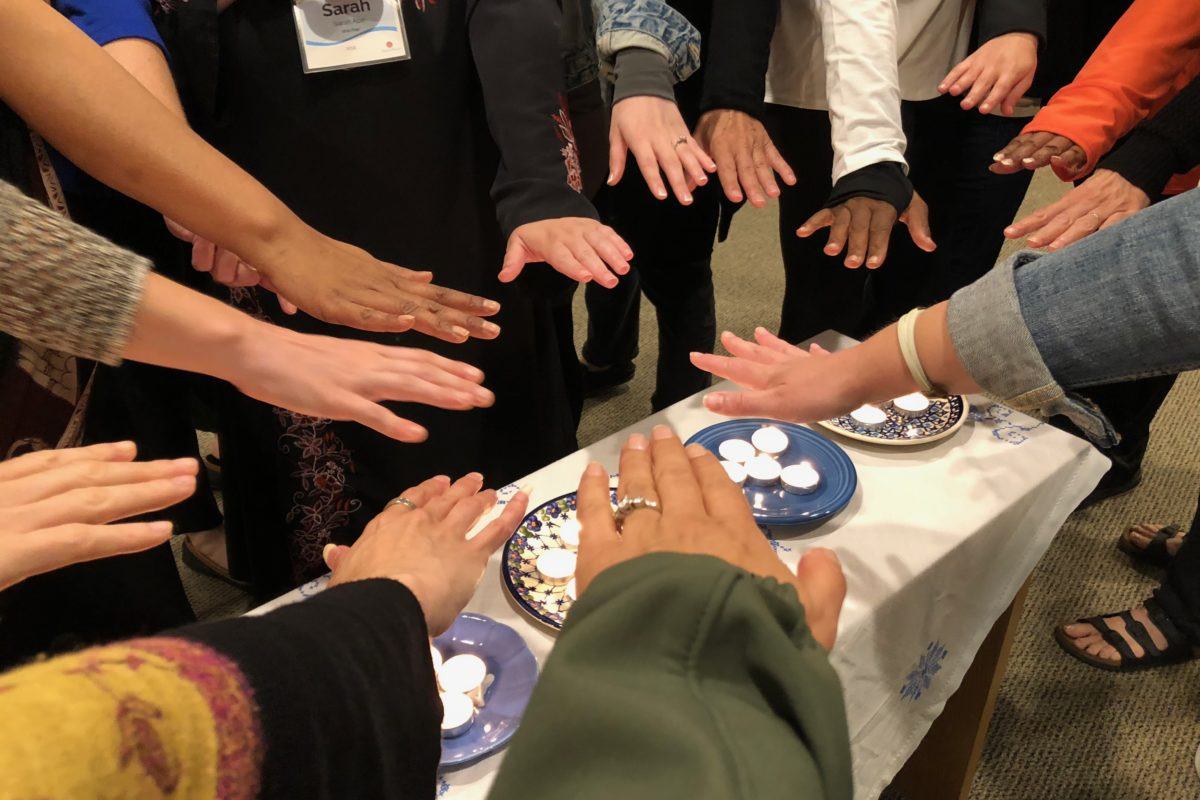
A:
(680, 140)
(630, 504)
(1099, 219)
(401, 501)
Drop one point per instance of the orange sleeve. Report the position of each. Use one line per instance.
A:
(1147, 58)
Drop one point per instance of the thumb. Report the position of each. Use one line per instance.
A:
(617, 153)
(822, 586)
(178, 231)
(821, 219)
(916, 217)
(333, 554)
(514, 259)
(763, 403)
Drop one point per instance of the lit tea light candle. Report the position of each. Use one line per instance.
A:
(801, 478)
(458, 712)
(869, 416)
(556, 566)
(464, 674)
(763, 471)
(436, 655)
(571, 590)
(735, 471)
(911, 405)
(769, 440)
(568, 532)
(739, 451)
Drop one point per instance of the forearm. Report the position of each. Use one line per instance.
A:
(730, 661)
(98, 116)
(146, 63)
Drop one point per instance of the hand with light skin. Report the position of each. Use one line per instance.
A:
(580, 248)
(746, 158)
(654, 130)
(1101, 201)
(56, 506)
(426, 548)
(996, 75)
(1037, 149)
(700, 512)
(862, 226)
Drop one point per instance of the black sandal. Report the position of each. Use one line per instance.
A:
(1177, 651)
(1155, 552)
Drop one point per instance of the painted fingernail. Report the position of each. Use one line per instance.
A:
(695, 450)
(595, 469)
(997, 156)
(661, 432)
(636, 442)
(1027, 160)
(1008, 162)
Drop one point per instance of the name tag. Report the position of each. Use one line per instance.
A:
(342, 34)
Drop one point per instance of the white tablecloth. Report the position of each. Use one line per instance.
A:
(935, 544)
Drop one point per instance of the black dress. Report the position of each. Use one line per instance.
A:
(403, 159)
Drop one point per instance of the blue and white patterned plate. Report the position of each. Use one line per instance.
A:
(515, 670)
(774, 506)
(944, 416)
(546, 603)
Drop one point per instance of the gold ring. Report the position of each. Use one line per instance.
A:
(680, 140)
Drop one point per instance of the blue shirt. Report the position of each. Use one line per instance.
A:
(109, 20)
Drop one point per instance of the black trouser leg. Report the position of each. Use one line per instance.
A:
(1179, 594)
(613, 321)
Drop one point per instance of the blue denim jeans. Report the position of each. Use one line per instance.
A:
(1124, 303)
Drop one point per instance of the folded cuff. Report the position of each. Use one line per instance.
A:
(641, 72)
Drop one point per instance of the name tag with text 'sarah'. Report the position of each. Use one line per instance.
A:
(343, 34)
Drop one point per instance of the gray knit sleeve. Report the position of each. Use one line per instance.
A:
(63, 286)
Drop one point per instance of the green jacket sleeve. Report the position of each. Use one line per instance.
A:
(682, 676)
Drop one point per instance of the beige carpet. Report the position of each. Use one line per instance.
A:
(1062, 731)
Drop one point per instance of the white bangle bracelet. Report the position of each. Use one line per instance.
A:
(906, 331)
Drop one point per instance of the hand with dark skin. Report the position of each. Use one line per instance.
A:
(862, 227)
(1037, 149)
(746, 158)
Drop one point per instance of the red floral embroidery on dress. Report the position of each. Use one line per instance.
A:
(569, 151)
(321, 505)
(420, 4)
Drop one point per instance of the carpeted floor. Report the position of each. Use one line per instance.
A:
(1062, 731)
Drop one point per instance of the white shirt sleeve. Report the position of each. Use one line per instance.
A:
(862, 83)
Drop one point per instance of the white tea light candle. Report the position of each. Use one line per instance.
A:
(739, 451)
(735, 471)
(763, 471)
(869, 416)
(911, 405)
(769, 440)
(801, 478)
(436, 655)
(462, 674)
(458, 712)
(556, 566)
(568, 532)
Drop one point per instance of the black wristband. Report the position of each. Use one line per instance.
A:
(882, 181)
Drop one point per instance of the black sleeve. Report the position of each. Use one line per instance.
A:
(884, 180)
(737, 52)
(517, 55)
(345, 691)
(997, 17)
(1164, 145)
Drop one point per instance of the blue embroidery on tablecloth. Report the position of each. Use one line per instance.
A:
(443, 787)
(315, 586)
(1004, 429)
(921, 678)
(776, 545)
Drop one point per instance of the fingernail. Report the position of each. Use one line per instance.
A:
(1008, 162)
(636, 442)
(997, 156)
(695, 450)
(687, 198)
(406, 319)
(161, 527)
(190, 463)
(610, 179)
(595, 470)
(714, 402)
(661, 194)
(661, 432)
(492, 328)
(325, 551)
(873, 261)
(184, 480)
(460, 331)
(484, 396)
(702, 181)
(985, 108)
(491, 306)
(1027, 160)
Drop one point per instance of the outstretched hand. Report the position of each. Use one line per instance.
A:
(1103, 200)
(866, 225)
(654, 130)
(700, 512)
(1037, 149)
(580, 248)
(996, 75)
(747, 160)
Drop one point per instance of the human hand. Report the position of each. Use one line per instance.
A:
(54, 506)
(655, 131)
(345, 379)
(1104, 199)
(997, 74)
(746, 157)
(867, 223)
(426, 548)
(225, 267)
(700, 512)
(580, 248)
(1035, 150)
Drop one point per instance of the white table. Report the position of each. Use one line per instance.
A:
(936, 543)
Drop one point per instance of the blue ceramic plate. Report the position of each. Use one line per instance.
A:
(772, 505)
(515, 670)
(539, 531)
(944, 416)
